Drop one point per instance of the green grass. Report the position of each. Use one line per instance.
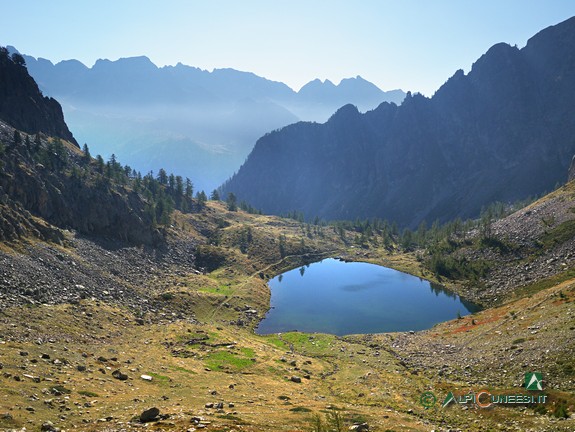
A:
(181, 369)
(225, 360)
(61, 389)
(309, 343)
(223, 290)
(545, 283)
(558, 235)
(248, 352)
(237, 420)
(88, 393)
(503, 246)
(185, 337)
(300, 409)
(159, 378)
(276, 341)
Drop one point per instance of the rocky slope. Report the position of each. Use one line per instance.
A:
(530, 249)
(501, 132)
(23, 106)
(94, 334)
(73, 195)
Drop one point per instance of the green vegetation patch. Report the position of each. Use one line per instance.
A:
(300, 409)
(226, 360)
(210, 257)
(88, 393)
(503, 246)
(458, 268)
(545, 283)
(237, 420)
(310, 343)
(159, 378)
(248, 352)
(276, 341)
(224, 290)
(558, 235)
(181, 369)
(60, 389)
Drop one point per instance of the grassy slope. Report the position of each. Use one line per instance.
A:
(204, 359)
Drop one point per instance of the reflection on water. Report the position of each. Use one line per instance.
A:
(331, 296)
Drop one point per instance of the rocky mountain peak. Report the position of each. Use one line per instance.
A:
(23, 106)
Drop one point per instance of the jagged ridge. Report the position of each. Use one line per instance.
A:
(502, 132)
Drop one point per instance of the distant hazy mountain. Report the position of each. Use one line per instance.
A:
(316, 100)
(200, 124)
(502, 132)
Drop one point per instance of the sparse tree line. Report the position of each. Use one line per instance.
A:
(434, 243)
(165, 192)
(15, 58)
(162, 192)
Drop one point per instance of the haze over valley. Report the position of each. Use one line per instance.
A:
(197, 123)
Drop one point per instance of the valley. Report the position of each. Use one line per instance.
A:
(183, 314)
(132, 302)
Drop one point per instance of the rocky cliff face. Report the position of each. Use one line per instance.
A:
(37, 199)
(22, 104)
(503, 132)
(571, 175)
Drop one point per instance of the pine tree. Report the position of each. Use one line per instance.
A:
(179, 191)
(100, 164)
(232, 202)
(189, 190)
(37, 143)
(87, 156)
(163, 177)
(17, 138)
(202, 199)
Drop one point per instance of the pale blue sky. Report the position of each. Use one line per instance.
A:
(408, 44)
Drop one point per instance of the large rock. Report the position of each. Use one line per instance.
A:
(150, 415)
(119, 375)
(571, 175)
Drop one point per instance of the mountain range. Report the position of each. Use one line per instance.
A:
(502, 132)
(187, 120)
(115, 285)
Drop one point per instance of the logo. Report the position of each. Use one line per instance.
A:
(428, 399)
(533, 381)
(486, 399)
(448, 399)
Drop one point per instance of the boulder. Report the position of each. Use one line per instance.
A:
(150, 415)
(119, 375)
(360, 427)
(48, 426)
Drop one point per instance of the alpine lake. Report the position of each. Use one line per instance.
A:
(341, 298)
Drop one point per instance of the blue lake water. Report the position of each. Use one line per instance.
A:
(342, 298)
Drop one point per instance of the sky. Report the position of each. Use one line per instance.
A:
(414, 45)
